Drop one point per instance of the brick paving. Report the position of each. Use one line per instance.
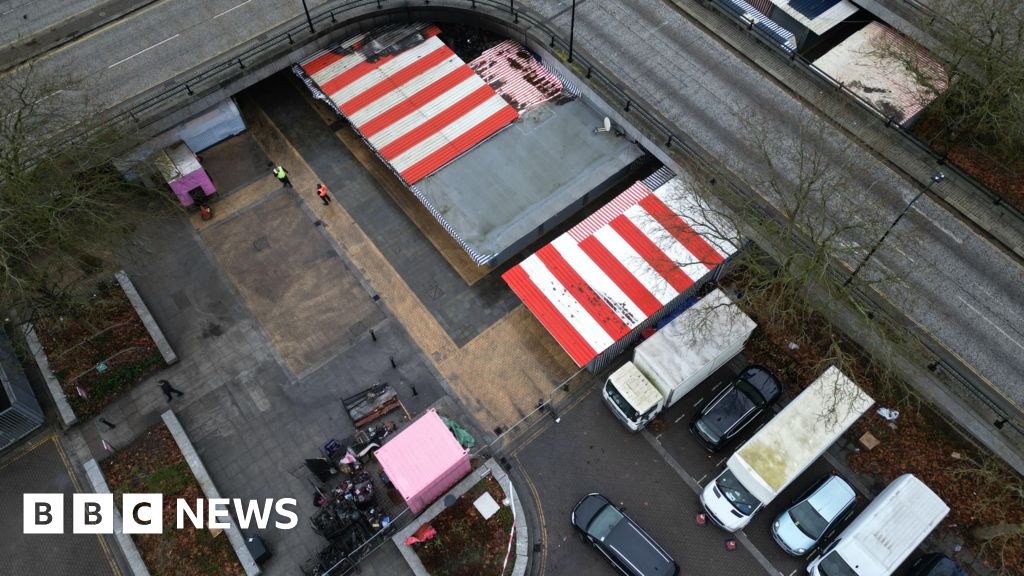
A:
(44, 468)
(501, 372)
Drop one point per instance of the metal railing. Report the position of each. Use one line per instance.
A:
(825, 80)
(147, 109)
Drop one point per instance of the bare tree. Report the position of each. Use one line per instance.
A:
(803, 224)
(977, 94)
(64, 208)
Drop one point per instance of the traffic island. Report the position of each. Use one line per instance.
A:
(154, 463)
(453, 536)
(98, 351)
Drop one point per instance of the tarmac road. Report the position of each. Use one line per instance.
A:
(656, 475)
(955, 285)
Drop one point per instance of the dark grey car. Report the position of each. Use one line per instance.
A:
(619, 539)
(736, 406)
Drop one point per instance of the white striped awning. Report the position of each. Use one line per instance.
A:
(413, 100)
(517, 76)
(594, 284)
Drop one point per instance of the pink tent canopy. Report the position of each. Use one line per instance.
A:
(424, 461)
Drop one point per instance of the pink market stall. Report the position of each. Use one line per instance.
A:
(424, 461)
(182, 171)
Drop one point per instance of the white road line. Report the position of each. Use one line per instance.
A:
(230, 9)
(905, 255)
(697, 403)
(720, 462)
(143, 50)
(936, 224)
(994, 325)
(681, 416)
(697, 489)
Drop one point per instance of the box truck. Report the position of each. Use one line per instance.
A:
(885, 533)
(780, 451)
(676, 358)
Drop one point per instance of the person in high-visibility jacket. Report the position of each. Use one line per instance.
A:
(282, 175)
(321, 191)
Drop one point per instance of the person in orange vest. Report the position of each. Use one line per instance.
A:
(321, 191)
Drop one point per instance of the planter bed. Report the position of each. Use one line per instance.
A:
(153, 463)
(109, 333)
(466, 544)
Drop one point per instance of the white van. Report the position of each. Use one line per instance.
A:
(885, 533)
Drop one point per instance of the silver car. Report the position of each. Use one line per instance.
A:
(815, 515)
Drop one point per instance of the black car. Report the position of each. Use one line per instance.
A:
(629, 549)
(738, 404)
(934, 565)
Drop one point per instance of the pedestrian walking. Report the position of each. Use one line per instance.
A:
(282, 175)
(321, 191)
(167, 389)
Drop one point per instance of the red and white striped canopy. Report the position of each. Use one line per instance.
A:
(420, 107)
(597, 282)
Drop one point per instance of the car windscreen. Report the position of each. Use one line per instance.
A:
(604, 522)
(736, 494)
(621, 402)
(834, 565)
(807, 519)
(753, 395)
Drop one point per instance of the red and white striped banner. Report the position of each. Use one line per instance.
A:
(420, 107)
(594, 284)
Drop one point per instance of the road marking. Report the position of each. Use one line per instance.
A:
(936, 224)
(230, 9)
(143, 50)
(715, 387)
(697, 403)
(701, 481)
(905, 255)
(720, 462)
(696, 487)
(681, 416)
(994, 325)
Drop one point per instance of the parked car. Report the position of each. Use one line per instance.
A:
(736, 406)
(815, 515)
(934, 565)
(629, 549)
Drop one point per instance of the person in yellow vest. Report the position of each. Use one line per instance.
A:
(321, 191)
(282, 175)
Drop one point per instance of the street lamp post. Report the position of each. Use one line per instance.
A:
(936, 178)
(309, 20)
(572, 29)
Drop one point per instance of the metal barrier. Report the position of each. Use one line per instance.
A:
(827, 81)
(148, 109)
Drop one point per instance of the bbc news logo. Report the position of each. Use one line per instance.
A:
(143, 513)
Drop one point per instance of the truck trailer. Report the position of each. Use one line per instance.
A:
(780, 451)
(885, 533)
(676, 358)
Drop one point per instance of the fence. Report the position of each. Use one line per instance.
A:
(20, 412)
(824, 80)
(533, 29)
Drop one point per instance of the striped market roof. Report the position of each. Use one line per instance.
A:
(594, 284)
(517, 76)
(757, 16)
(872, 64)
(409, 96)
(819, 16)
